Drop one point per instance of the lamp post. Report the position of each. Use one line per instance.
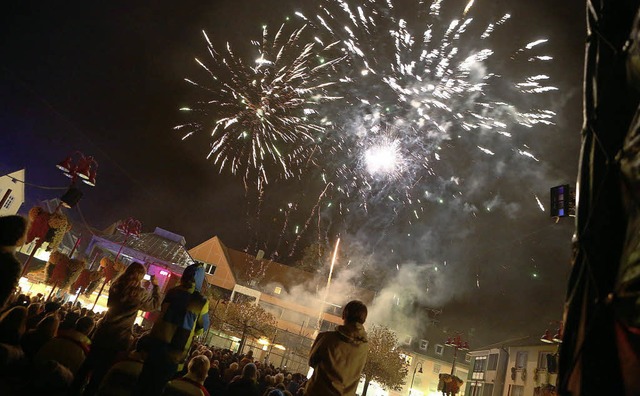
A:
(457, 344)
(85, 168)
(414, 376)
(557, 337)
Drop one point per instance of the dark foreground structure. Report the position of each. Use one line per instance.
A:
(601, 345)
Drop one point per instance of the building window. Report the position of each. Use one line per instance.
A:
(424, 344)
(521, 360)
(277, 290)
(542, 360)
(406, 340)
(8, 203)
(467, 358)
(408, 359)
(492, 362)
(478, 367)
(439, 349)
(436, 368)
(517, 390)
(475, 388)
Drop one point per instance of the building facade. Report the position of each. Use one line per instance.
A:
(291, 295)
(527, 367)
(428, 358)
(11, 192)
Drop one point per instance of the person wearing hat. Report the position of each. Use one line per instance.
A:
(184, 314)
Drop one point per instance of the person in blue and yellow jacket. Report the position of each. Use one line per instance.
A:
(185, 314)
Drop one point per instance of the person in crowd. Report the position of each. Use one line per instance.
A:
(191, 384)
(338, 357)
(279, 379)
(113, 335)
(122, 377)
(266, 382)
(13, 325)
(247, 384)
(13, 231)
(50, 308)
(18, 300)
(69, 322)
(33, 315)
(185, 313)
(231, 372)
(214, 383)
(70, 347)
(34, 339)
(248, 358)
(294, 383)
(50, 379)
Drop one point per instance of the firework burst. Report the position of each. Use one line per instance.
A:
(437, 89)
(262, 113)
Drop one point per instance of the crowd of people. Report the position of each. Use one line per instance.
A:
(44, 345)
(56, 347)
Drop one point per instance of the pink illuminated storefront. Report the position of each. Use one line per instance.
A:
(162, 252)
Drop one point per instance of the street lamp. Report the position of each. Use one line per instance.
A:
(84, 167)
(557, 337)
(414, 376)
(457, 344)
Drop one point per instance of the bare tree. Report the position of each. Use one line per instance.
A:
(247, 319)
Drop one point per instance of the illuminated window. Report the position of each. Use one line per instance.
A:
(278, 290)
(436, 368)
(479, 365)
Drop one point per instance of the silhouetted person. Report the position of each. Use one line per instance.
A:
(12, 234)
(34, 339)
(338, 357)
(185, 313)
(192, 383)
(113, 335)
(247, 384)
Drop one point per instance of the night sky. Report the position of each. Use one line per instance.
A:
(107, 79)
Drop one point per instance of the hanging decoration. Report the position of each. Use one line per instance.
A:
(56, 260)
(60, 225)
(94, 281)
(47, 227)
(84, 281)
(61, 270)
(110, 268)
(38, 224)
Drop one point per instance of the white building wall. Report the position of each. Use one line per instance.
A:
(522, 379)
(11, 193)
